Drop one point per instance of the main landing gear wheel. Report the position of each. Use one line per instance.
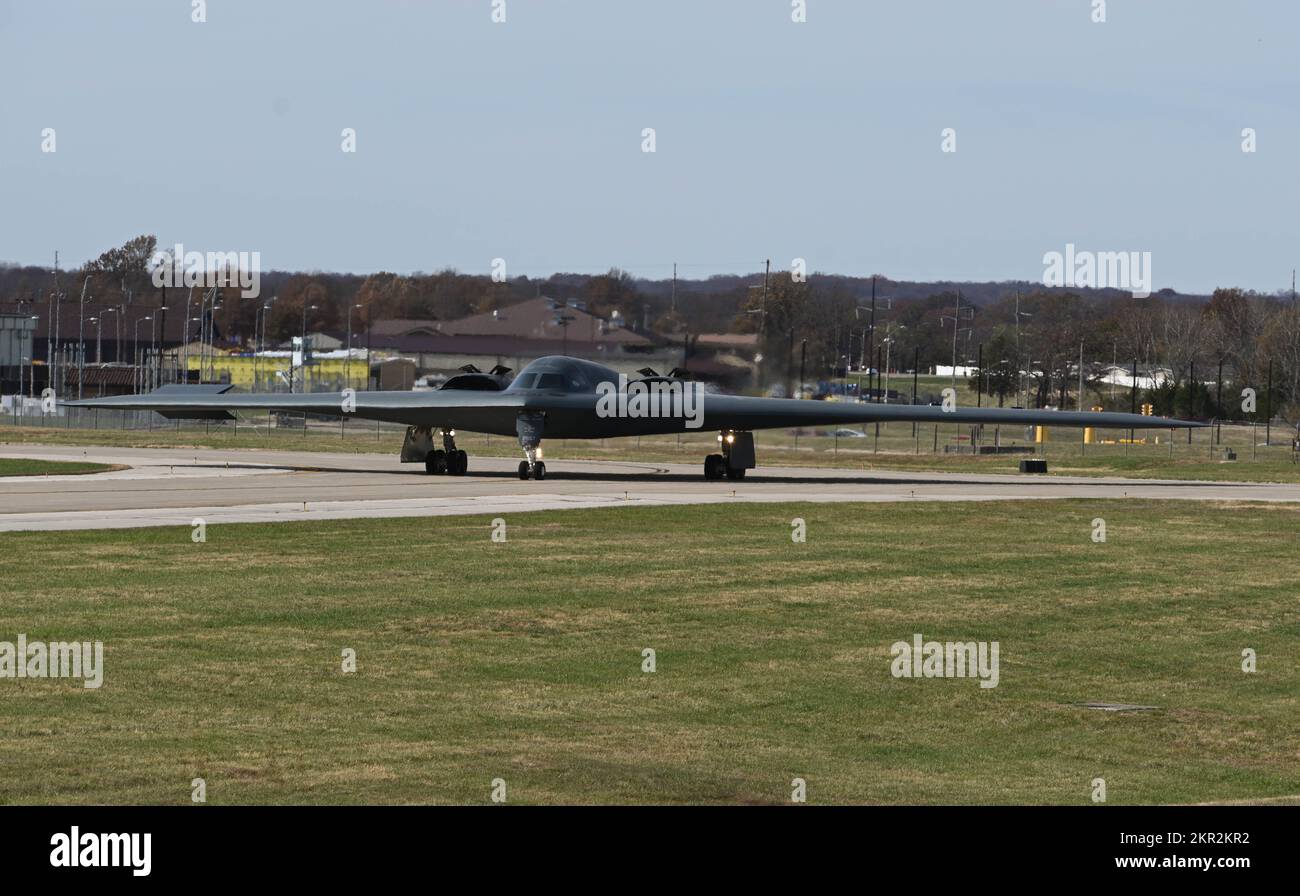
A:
(523, 469)
(435, 463)
(735, 474)
(715, 466)
(448, 459)
(457, 462)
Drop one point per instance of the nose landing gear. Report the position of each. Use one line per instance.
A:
(532, 468)
(529, 427)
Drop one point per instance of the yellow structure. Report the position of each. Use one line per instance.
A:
(265, 374)
(1088, 432)
(1040, 435)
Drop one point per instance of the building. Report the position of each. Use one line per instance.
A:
(17, 344)
(516, 335)
(1147, 378)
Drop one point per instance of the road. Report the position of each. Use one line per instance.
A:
(170, 486)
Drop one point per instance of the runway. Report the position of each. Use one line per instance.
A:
(173, 487)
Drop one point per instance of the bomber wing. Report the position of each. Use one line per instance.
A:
(743, 413)
(476, 410)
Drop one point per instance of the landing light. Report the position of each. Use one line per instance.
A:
(731, 437)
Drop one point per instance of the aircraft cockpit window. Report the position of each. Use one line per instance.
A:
(560, 382)
(553, 378)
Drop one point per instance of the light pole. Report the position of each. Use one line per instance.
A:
(302, 348)
(185, 337)
(153, 352)
(212, 336)
(266, 307)
(59, 373)
(208, 306)
(869, 336)
(81, 335)
(347, 364)
(98, 346)
(135, 352)
(31, 362)
(1020, 377)
(889, 344)
(121, 316)
(257, 359)
(956, 329)
(1114, 365)
(199, 321)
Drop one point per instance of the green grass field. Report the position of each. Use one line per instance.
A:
(896, 449)
(24, 467)
(522, 660)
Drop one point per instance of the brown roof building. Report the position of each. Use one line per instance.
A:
(543, 319)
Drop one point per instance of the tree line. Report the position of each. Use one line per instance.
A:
(1029, 338)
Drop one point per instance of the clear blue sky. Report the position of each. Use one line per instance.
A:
(774, 139)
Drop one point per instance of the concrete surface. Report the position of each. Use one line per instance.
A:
(165, 487)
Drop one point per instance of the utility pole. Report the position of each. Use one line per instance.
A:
(956, 327)
(862, 363)
(871, 341)
(58, 316)
(1218, 391)
(880, 396)
(1020, 378)
(81, 335)
(803, 356)
(674, 293)
(789, 364)
(1133, 402)
(1079, 406)
(916, 372)
(1114, 367)
(302, 353)
(762, 318)
(1268, 406)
